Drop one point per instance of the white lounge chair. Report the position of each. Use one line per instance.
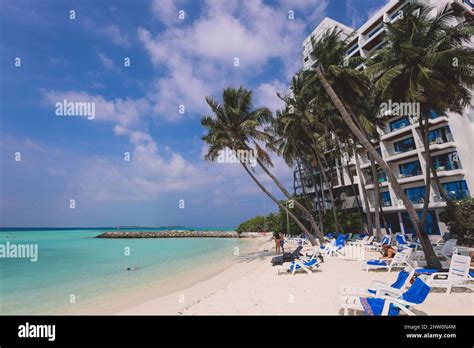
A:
(399, 260)
(378, 245)
(386, 304)
(352, 253)
(380, 288)
(305, 263)
(457, 276)
(445, 250)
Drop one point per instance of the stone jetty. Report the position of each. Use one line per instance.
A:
(173, 234)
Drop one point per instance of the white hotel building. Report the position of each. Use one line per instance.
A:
(451, 138)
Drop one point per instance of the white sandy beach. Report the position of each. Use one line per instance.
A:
(250, 285)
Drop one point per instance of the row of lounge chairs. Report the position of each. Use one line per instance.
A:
(405, 293)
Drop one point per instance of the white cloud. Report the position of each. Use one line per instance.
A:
(266, 95)
(106, 61)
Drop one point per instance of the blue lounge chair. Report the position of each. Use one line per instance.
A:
(388, 305)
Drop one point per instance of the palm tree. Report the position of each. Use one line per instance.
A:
(354, 87)
(428, 62)
(233, 126)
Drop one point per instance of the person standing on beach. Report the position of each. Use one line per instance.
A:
(276, 236)
(282, 242)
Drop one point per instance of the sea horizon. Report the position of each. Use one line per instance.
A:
(73, 265)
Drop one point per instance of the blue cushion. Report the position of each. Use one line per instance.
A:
(402, 277)
(426, 270)
(417, 293)
(374, 306)
(377, 262)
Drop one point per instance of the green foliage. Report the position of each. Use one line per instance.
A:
(268, 223)
(459, 217)
(349, 220)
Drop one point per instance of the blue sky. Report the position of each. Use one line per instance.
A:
(173, 62)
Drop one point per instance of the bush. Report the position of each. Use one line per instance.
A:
(459, 218)
(268, 223)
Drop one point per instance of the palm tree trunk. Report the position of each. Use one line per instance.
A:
(370, 231)
(375, 178)
(297, 204)
(426, 143)
(430, 255)
(356, 194)
(331, 196)
(295, 219)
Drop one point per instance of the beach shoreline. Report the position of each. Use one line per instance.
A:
(251, 286)
(122, 300)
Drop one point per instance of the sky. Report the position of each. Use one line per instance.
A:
(146, 66)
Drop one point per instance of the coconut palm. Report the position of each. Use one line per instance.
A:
(428, 61)
(355, 105)
(235, 126)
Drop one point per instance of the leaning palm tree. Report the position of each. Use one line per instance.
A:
(235, 124)
(428, 62)
(353, 106)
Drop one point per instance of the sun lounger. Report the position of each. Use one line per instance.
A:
(399, 260)
(380, 288)
(388, 305)
(457, 275)
(306, 263)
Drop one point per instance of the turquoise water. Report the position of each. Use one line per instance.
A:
(73, 262)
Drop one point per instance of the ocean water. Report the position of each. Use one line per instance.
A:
(74, 264)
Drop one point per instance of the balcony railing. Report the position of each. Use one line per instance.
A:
(402, 149)
(383, 203)
(442, 139)
(447, 166)
(408, 174)
(416, 198)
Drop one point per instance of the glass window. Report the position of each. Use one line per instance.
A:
(410, 169)
(404, 145)
(416, 194)
(401, 123)
(385, 199)
(456, 189)
(431, 225)
(440, 135)
(446, 161)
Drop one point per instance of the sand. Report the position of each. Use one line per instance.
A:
(251, 286)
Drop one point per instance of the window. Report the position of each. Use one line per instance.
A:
(456, 189)
(352, 49)
(404, 145)
(440, 135)
(416, 194)
(385, 199)
(410, 169)
(434, 114)
(446, 161)
(431, 225)
(398, 124)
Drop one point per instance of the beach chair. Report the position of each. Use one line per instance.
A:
(334, 248)
(402, 242)
(306, 263)
(445, 250)
(457, 276)
(380, 288)
(388, 305)
(386, 240)
(401, 259)
(352, 253)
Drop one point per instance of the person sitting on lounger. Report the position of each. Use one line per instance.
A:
(387, 252)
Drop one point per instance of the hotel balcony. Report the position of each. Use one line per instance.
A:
(383, 203)
(442, 142)
(454, 195)
(405, 178)
(369, 182)
(397, 129)
(392, 154)
(364, 162)
(448, 168)
(433, 120)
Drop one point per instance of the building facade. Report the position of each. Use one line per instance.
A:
(451, 138)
